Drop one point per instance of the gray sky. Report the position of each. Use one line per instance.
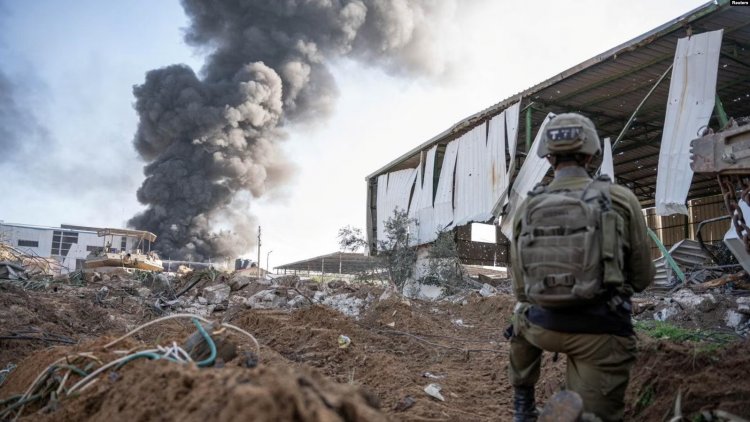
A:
(70, 68)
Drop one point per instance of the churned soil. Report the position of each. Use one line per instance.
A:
(704, 379)
(398, 347)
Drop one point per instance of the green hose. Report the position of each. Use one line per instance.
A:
(211, 345)
(134, 356)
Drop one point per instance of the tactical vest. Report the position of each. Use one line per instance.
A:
(570, 247)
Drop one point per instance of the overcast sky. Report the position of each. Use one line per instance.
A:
(70, 68)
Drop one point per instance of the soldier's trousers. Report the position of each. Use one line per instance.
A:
(598, 366)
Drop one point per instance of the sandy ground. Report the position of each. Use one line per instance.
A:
(397, 348)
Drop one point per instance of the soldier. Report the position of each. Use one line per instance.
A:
(579, 251)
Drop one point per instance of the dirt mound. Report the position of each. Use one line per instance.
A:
(399, 347)
(43, 319)
(166, 391)
(706, 380)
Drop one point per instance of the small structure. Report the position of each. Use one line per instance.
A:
(333, 263)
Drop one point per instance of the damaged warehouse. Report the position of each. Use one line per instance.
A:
(481, 168)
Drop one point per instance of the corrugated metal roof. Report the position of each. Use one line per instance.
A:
(336, 262)
(609, 86)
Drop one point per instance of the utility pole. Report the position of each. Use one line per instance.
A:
(258, 266)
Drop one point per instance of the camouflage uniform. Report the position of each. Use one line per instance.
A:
(599, 363)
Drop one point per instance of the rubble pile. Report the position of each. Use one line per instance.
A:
(338, 349)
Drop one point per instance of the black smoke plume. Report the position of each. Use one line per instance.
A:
(207, 137)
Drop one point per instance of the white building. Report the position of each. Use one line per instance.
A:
(67, 244)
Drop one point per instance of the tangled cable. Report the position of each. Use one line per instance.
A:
(51, 382)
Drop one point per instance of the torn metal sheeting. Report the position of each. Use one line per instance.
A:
(692, 93)
(608, 166)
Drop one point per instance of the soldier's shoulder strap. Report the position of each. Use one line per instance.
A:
(538, 189)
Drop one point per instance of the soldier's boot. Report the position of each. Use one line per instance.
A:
(524, 406)
(565, 406)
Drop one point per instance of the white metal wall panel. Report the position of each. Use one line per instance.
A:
(382, 205)
(397, 195)
(421, 203)
(511, 125)
(692, 92)
(496, 152)
(509, 133)
(444, 195)
(532, 172)
(608, 166)
(473, 178)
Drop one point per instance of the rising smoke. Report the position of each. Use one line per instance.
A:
(207, 138)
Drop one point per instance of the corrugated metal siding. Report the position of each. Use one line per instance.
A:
(496, 146)
(397, 192)
(692, 92)
(421, 204)
(444, 195)
(673, 229)
(473, 197)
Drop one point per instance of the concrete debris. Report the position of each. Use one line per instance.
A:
(735, 319)
(405, 404)
(689, 300)
(143, 292)
(460, 323)
(487, 290)
(216, 294)
(239, 281)
(743, 305)
(345, 303)
(433, 390)
(198, 309)
(432, 376)
(416, 290)
(202, 300)
(12, 271)
(265, 299)
(666, 313)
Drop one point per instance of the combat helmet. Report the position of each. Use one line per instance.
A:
(569, 133)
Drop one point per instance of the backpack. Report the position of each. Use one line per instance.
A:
(570, 247)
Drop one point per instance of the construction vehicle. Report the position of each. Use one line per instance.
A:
(726, 154)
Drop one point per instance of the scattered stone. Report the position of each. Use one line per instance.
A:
(265, 299)
(238, 281)
(336, 284)
(433, 390)
(143, 291)
(319, 296)
(735, 319)
(460, 323)
(691, 301)
(487, 290)
(743, 304)
(344, 303)
(666, 313)
(286, 280)
(433, 376)
(217, 293)
(202, 300)
(404, 404)
(297, 302)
